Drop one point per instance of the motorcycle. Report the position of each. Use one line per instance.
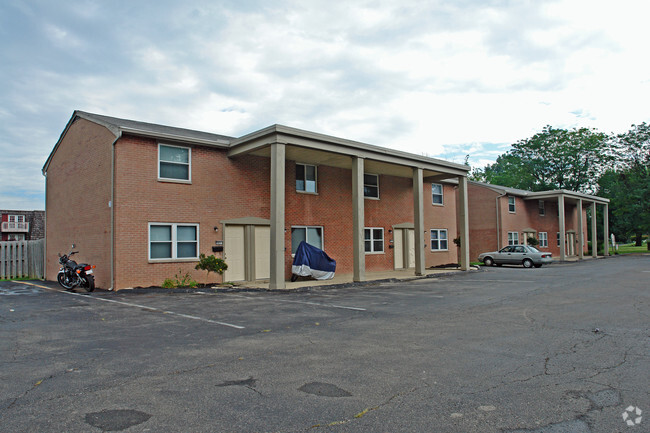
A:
(73, 275)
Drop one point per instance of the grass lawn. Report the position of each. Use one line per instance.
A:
(630, 248)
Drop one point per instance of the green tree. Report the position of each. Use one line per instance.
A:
(627, 185)
(553, 159)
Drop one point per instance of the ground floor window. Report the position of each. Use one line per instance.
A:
(16, 237)
(513, 238)
(374, 239)
(313, 235)
(173, 241)
(543, 239)
(558, 239)
(439, 240)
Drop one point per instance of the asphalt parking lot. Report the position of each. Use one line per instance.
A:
(563, 348)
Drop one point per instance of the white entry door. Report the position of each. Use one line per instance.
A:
(404, 248)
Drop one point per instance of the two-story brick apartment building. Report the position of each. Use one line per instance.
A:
(502, 216)
(141, 201)
(22, 225)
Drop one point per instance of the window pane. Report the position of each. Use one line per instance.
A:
(300, 177)
(186, 249)
(314, 237)
(174, 154)
(160, 233)
(368, 246)
(370, 179)
(371, 191)
(170, 170)
(297, 235)
(434, 235)
(185, 233)
(310, 178)
(443, 245)
(443, 234)
(161, 250)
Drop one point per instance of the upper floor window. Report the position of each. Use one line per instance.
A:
(374, 240)
(439, 241)
(511, 204)
(306, 178)
(16, 218)
(436, 193)
(174, 162)
(371, 185)
(173, 241)
(310, 234)
(542, 209)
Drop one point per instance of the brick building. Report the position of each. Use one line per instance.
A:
(22, 225)
(153, 197)
(501, 216)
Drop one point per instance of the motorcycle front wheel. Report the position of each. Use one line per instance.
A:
(63, 282)
(90, 283)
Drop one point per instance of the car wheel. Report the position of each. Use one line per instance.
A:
(528, 263)
(488, 261)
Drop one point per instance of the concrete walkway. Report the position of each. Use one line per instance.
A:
(340, 279)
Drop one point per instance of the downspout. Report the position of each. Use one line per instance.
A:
(112, 206)
(498, 207)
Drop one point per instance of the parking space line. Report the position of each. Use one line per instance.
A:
(129, 304)
(307, 303)
(498, 281)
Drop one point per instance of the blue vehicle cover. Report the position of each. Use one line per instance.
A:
(314, 262)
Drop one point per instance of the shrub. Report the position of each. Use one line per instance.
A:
(532, 241)
(211, 264)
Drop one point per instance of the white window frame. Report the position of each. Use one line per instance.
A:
(513, 238)
(322, 236)
(439, 239)
(441, 195)
(373, 240)
(512, 207)
(174, 242)
(315, 191)
(364, 186)
(543, 239)
(189, 164)
(542, 207)
(558, 239)
(16, 218)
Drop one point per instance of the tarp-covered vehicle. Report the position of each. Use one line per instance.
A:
(310, 261)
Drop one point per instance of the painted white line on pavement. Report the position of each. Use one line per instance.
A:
(187, 316)
(498, 281)
(305, 302)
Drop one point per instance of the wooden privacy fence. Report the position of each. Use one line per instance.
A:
(22, 259)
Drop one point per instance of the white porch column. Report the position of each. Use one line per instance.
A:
(562, 228)
(278, 154)
(358, 221)
(581, 237)
(606, 230)
(463, 223)
(594, 232)
(418, 220)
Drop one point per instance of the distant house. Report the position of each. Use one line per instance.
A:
(142, 201)
(22, 225)
(501, 216)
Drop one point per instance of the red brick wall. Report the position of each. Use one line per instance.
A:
(482, 208)
(221, 189)
(78, 187)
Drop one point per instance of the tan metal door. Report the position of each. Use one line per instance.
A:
(411, 248)
(235, 257)
(398, 248)
(262, 252)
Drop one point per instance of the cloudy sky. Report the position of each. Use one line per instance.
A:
(439, 78)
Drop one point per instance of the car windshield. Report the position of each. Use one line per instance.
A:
(533, 249)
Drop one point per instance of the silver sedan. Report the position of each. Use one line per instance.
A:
(516, 255)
